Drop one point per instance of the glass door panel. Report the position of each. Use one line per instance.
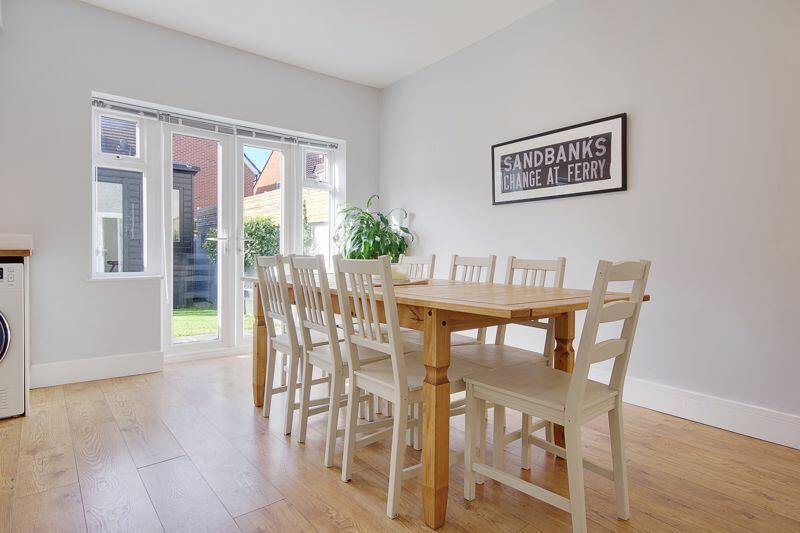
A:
(263, 172)
(198, 247)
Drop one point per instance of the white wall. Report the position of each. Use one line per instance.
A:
(53, 53)
(711, 91)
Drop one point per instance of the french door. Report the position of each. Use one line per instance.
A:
(199, 215)
(227, 201)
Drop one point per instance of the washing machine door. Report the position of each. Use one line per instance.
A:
(5, 337)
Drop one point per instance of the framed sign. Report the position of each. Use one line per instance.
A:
(586, 158)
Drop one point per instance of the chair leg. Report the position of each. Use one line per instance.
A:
(498, 436)
(577, 497)
(379, 405)
(337, 383)
(371, 408)
(416, 440)
(398, 452)
(269, 382)
(548, 432)
(410, 431)
(351, 419)
(483, 415)
(305, 397)
(620, 467)
(291, 389)
(283, 370)
(472, 433)
(389, 408)
(525, 435)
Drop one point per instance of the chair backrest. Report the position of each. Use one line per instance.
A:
(356, 280)
(590, 351)
(419, 266)
(473, 269)
(533, 273)
(277, 305)
(312, 298)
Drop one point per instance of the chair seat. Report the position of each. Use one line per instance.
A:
(283, 340)
(321, 355)
(381, 373)
(536, 385)
(495, 355)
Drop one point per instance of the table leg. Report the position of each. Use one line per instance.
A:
(259, 348)
(564, 357)
(436, 419)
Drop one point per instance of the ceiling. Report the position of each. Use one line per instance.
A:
(373, 42)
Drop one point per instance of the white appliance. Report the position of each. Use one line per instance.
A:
(13, 361)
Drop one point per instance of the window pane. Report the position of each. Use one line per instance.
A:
(119, 136)
(199, 250)
(263, 183)
(316, 166)
(317, 222)
(120, 236)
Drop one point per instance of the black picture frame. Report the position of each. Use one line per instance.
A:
(623, 163)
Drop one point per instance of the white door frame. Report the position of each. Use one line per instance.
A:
(225, 258)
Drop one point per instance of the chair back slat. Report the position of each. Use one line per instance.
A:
(472, 269)
(356, 281)
(615, 311)
(419, 266)
(619, 348)
(605, 350)
(275, 301)
(626, 271)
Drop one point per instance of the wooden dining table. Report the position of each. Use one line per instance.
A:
(439, 308)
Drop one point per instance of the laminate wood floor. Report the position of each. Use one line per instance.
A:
(185, 450)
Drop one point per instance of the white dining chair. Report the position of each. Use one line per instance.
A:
(567, 399)
(277, 306)
(474, 270)
(419, 266)
(317, 329)
(398, 379)
(531, 273)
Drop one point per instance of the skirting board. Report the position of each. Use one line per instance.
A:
(207, 354)
(77, 370)
(745, 419)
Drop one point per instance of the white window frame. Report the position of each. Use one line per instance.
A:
(331, 185)
(145, 162)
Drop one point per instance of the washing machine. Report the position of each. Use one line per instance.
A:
(12, 337)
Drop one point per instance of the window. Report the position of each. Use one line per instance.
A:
(119, 136)
(318, 196)
(119, 188)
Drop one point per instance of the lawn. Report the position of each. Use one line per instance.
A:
(193, 322)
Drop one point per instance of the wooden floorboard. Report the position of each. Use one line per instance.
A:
(183, 499)
(185, 450)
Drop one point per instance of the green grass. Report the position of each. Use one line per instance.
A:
(192, 322)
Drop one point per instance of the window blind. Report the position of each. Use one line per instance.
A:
(226, 128)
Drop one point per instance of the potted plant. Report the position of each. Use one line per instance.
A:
(364, 233)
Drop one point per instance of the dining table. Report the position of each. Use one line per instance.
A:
(439, 308)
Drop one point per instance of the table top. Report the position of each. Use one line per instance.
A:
(491, 299)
